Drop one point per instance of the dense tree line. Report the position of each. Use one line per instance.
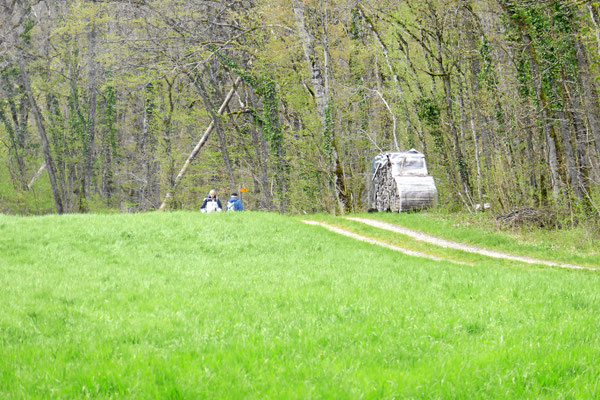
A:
(132, 104)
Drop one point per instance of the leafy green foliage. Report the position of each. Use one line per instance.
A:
(487, 73)
(28, 25)
(454, 80)
(109, 118)
(428, 111)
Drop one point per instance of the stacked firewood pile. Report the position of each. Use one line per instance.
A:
(540, 217)
(386, 190)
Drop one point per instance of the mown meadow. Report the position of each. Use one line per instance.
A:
(257, 305)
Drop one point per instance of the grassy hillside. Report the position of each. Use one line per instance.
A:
(253, 305)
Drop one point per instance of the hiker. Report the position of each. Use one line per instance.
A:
(234, 204)
(211, 203)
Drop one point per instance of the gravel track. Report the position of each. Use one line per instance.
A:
(379, 242)
(461, 246)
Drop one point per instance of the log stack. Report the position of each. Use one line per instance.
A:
(385, 189)
(400, 182)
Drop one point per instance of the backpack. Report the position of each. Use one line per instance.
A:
(230, 206)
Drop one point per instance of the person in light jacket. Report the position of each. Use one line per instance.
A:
(234, 204)
(211, 203)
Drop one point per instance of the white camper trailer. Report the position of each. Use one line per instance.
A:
(400, 182)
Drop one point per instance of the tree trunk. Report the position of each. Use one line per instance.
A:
(589, 94)
(16, 128)
(532, 164)
(220, 132)
(42, 131)
(323, 104)
(168, 137)
(275, 136)
(397, 87)
(542, 101)
(573, 104)
(109, 145)
(262, 154)
(572, 172)
(149, 194)
(460, 159)
(17, 151)
(91, 125)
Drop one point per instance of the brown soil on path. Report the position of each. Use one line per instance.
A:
(461, 246)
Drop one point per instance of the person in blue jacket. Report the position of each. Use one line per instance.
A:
(234, 204)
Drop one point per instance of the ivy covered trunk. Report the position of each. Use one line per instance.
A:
(324, 105)
(44, 138)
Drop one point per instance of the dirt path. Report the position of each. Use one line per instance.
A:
(460, 246)
(377, 242)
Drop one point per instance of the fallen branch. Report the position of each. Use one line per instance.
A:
(541, 217)
(37, 175)
(198, 146)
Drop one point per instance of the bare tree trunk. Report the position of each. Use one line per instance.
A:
(150, 192)
(542, 101)
(316, 74)
(225, 153)
(324, 107)
(76, 174)
(42, 131)
(107, 172)
(109, 146)
(582, 152)
(589, 94)
(142, 147)
(531, 155)
(17, 151)
(15, 126)
(91, 125)
(572, 172)
(60, 147)
(595, 17)
(477, 163)
(477, 120)
(271, 117)
(262, 154)
(168, 138)
(220, 132)
(460, 159)
(385, 51)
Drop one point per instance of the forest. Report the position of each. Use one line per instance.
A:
(137, 105)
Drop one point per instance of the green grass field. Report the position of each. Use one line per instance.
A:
(254, 305)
